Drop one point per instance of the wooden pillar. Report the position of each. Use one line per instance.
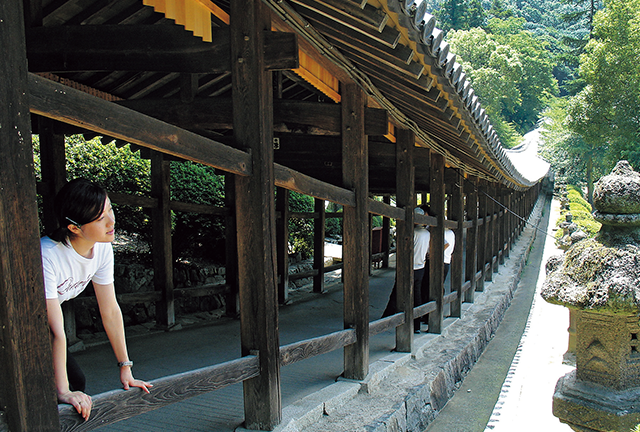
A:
(502, 198)
(471, 250)
(162, 254)
(53, 169)
(436, 246)
(282, 236)
(355, 246)
(232, 308)
(319, 228)
(482, 233)
(405, 198)
(456, 209)
(252, 93)
(509, 222)
(386, 233)
(27, 390)
(490, 231)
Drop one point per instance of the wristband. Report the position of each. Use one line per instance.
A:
(125, 363)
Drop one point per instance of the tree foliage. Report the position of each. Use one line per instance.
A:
(510, 70)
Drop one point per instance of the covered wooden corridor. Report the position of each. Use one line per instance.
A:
(349, 102)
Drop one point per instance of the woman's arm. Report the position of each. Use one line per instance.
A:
(114, 326)
(80, 401)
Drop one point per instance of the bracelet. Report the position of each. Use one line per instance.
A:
(125, 363)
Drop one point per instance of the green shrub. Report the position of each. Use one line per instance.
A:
(197, 235)
(581, 211)
(576, 198)
(301, 230)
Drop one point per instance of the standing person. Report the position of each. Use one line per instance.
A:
(78, 252)
(421, 238)
(449, 245)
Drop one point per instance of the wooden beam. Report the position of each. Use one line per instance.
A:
(116, 405)
(255, 211)
(482, 233)
(62, 103)
(217, 113)
(457, 213)
(355, 246)
(405, 199)
(471, 248)
(159, 48)
(295, 181)
(319, 230)
(436, 246)
(27, 389)
(162, 251)
(282, 243)
(371, 22)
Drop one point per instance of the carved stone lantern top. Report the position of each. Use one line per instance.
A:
(603, 274)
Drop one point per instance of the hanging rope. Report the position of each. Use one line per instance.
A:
(504, 207)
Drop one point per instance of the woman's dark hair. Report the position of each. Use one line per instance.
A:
(78, 202)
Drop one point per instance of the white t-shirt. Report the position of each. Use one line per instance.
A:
(450, 239)
(67, 273)
(421, 237)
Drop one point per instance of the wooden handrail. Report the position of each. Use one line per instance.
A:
(116, 405)
(305, 349)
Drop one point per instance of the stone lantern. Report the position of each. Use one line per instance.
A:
(599, 280)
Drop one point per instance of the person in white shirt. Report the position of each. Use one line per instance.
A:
(421, 239)
(77, 253)
(449, 245)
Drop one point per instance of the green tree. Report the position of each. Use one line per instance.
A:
(511, 71)
(606, 113)
(460, 14)
(571, 157)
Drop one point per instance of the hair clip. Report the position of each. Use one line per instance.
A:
(72, 221)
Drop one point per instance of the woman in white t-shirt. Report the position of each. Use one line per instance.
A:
(77, 253)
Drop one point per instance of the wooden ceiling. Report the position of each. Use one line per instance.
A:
(137, 57)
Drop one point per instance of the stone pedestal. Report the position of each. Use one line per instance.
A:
(599, 280)
(588, 407)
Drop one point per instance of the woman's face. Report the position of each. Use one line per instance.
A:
(102, 229)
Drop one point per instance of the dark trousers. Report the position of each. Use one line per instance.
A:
(77, 380)
(392, 305)
(424, 286)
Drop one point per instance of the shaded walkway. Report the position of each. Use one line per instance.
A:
(511, 386)
(162, 354)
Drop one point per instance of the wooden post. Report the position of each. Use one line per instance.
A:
(355, 246)
(502, 240)
(319, 228)
(509, 221)
(436, 246)
(162, 253)
(482, 233)
(386, 233)
(457, 213)
(490, 232)
(471, 250)
(282, 236)
(53, 168)
(231, 248)
(252, 93)
(27, 390)
(405, 197)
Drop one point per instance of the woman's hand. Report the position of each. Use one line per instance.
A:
(80, 401)
(128, 381)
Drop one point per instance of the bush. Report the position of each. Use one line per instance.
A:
(301, 230)
(197, 235)
(581, 211)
